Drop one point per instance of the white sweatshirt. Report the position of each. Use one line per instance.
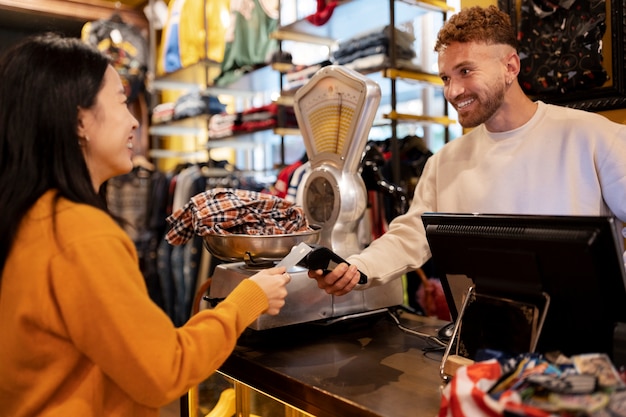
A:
(561, 162)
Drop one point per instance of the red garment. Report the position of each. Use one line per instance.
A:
(431, 297)
(283, 178)
(323, 13)
(377, 214)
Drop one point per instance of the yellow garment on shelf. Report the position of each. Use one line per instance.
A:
(197, 39)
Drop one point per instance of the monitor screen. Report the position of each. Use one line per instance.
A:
(576, 260)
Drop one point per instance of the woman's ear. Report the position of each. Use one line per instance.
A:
(80, 123)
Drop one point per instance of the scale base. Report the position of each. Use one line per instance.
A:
(305, 301)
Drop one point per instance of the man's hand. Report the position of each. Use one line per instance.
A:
(339, 281)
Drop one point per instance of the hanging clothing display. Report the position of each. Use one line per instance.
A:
(561, 46)
(127, 48)
(143, 199)
(179, 266)
(136, 199)
(283, 178)
(248, 42)
(188, 37)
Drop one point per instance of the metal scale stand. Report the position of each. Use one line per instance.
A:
(335, 111)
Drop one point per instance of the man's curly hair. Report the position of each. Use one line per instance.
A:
(488, 25)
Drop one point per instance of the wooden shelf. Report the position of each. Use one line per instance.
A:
(166, 153)
(395, 74)
(190, 126)
(441, 120)
(196, 76)
(287, 131)
(71, 10)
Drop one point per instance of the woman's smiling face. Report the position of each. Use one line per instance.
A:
(107, 130)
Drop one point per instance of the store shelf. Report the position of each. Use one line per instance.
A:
(166, 153)
(230, 143)
(287, 101)
(244, 140)
(189, 78)
(410, 94)
(371, 15)
(282, 67)
(441, 120)
(397, 74)
(434, 5)
(287, 131)
(193, 77)
(200, 76)
(191, 126)
(262, 79)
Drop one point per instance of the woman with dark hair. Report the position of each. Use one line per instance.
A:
(80, 335)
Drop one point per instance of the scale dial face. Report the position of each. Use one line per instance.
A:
(329, 111)
(320, 200)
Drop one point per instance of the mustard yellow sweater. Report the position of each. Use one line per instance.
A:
(79, 335)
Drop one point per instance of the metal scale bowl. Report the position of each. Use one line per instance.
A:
(335, 111)
(257, 250)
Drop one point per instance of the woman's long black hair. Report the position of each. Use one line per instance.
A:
(44, 80)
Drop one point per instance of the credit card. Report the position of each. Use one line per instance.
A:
(296, 254)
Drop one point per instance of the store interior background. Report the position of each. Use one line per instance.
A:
(19, 18)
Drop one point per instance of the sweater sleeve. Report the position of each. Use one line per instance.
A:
(105, 308)
(612, 171)
(404, 246)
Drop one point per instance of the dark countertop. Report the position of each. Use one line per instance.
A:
(360, 367)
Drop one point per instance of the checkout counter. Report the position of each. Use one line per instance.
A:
(366, 366)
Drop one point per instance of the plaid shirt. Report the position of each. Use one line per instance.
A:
(230, 211)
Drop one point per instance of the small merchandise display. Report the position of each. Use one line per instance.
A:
(536, 385)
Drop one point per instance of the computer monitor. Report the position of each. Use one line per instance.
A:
(576, 260)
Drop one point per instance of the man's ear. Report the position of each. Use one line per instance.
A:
(513, 64)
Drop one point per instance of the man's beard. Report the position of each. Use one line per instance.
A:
(485, 109)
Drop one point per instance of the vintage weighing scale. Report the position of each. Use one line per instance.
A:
(335, 111)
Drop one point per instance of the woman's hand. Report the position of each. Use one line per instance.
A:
(339, 281)
(273, 282)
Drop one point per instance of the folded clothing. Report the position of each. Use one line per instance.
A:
(374, 43)
(221, 125)
(163, 113)
(197, 103)
(226, 211)
(256, 118)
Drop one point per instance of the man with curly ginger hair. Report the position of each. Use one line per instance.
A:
(466, 45)
(521, 157)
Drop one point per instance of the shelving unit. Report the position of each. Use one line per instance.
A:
(398, 83)
(257, 86)
(191, 134)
